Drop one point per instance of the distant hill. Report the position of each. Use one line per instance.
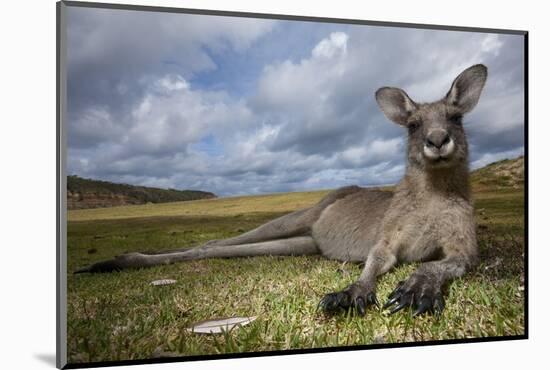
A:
(87, 193)
(508, 173)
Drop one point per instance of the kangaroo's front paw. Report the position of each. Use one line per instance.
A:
(353, 297)
(420, 293)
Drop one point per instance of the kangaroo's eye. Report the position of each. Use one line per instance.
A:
(414, 125)
(455, 118)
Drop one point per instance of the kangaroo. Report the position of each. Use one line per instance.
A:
(428, 218)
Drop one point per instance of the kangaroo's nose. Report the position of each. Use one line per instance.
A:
(437, 138)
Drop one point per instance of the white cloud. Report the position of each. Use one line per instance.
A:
(169, 118)
(172, 82)
(448, 60)
(94, 124)
(498, 112)
(335, 44)
(377, 151)
(491, 44)
(129, 40)
(307, 84)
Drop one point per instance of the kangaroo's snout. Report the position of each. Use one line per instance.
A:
(437, 138)
(438, 145)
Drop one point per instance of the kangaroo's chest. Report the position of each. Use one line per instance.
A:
(415, 231)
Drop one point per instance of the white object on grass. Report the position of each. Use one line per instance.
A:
(163, 282)
(216, 326)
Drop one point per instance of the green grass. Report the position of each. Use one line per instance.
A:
(120, 316)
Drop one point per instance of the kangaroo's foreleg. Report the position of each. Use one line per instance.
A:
(302, 245)
(423, 289)
(362, 293)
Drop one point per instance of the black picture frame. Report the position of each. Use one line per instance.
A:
(61, 157)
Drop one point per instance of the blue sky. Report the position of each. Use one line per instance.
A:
(246, 106)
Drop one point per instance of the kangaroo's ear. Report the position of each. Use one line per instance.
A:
(396, 104)
(466, 89)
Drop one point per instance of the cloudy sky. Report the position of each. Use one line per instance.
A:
(248, 106)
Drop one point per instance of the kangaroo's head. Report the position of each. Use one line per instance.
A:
(436, 137)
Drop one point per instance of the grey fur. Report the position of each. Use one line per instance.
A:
(429, 216)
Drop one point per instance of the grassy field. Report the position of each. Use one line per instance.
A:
(120, 316)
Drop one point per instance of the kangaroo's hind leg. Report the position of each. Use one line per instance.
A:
(293, 224)
(301, 245)
(282, 228)
(285, 228)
